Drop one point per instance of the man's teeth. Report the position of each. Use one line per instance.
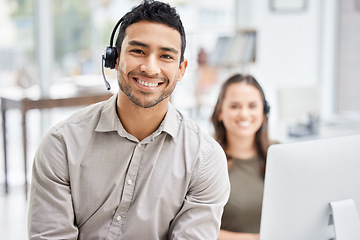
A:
(146, 84)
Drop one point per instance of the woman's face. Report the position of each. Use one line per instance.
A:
(242, 110)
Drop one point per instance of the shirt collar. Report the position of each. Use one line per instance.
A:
(109, 120)
(171, 122)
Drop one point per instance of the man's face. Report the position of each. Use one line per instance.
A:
(149, 66)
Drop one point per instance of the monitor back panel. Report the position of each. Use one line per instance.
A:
(301, 179)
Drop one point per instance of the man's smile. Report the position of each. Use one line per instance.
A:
(147, 84)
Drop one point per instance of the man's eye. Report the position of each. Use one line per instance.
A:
(138, 51)
(167, 56)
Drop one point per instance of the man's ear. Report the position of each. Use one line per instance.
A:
(220, 119)
(117, 63)
(182, 69)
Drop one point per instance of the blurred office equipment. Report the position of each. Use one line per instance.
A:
(300, 110)
(312, 190)
(301, 118)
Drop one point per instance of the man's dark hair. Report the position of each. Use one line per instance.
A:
(154, 11)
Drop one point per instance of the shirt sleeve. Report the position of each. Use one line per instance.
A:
(200, 216)
(50, 214)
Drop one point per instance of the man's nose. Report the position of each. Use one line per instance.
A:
(150, 65)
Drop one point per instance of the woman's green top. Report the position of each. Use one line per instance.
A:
(242, 213)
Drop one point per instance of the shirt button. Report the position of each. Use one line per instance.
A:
(118, 218)
(129, 181)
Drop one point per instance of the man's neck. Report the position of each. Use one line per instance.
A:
(140, 122)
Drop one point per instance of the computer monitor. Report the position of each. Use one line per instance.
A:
(312, 190)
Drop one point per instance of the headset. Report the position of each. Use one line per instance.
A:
(110, 55)
(266, 113)
(266, 107)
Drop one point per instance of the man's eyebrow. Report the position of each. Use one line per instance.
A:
(141, 44)
(173, 50)
(137, 43)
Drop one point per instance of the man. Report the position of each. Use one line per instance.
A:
(132, 167)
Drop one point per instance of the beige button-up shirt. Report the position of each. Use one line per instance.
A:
(93, 180)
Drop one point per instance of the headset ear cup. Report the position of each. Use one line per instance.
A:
(110, 57)
(266, 107)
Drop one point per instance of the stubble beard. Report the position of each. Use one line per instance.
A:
(126, 89)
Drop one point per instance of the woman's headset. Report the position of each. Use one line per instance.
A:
(266, 107)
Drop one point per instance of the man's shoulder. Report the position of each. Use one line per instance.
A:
(81, 116)
(193, 131)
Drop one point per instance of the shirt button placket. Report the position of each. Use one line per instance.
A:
(128, 193)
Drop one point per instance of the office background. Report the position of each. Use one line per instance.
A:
(305, 54)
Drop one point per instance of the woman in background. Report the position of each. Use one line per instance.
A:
(240, 121)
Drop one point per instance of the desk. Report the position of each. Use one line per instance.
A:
(25, 104)
(335, 126)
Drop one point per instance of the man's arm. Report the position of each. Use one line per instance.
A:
(51, 214)
(200, 216)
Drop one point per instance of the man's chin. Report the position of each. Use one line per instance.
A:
(145, 104)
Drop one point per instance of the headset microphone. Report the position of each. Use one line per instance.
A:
(107, 84)
(110, 55)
